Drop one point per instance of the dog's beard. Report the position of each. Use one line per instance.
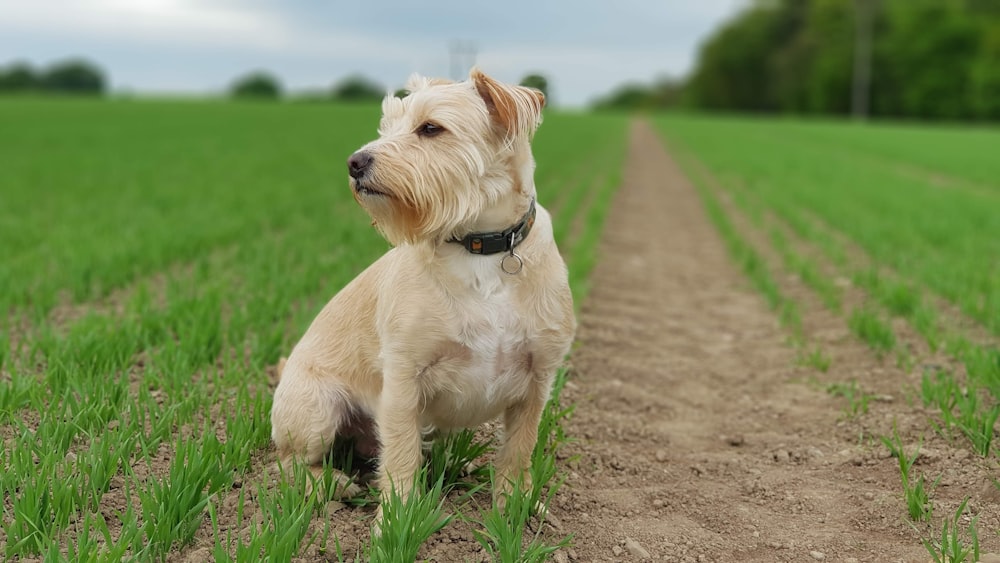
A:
(365, 188)
(407, 211)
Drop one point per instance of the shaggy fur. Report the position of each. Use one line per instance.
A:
(431, 336)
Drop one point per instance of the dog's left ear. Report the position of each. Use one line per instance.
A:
(516, 110)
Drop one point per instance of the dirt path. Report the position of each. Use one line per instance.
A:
(698, 438)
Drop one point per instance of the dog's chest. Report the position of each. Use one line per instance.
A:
(492, 367)
(495, 335)
(489, 318)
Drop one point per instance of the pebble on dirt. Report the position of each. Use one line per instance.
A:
(635, 549)
(817, 555)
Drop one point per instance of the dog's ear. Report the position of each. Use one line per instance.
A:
(516, 110)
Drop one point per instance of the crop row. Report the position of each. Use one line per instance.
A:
(864, 222)
(158, 258)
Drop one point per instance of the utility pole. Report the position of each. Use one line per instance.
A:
(861, 87)
(462, 56)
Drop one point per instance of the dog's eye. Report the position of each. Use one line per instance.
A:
(429, 129)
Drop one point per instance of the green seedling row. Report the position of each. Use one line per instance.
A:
(943, 238)
(906, 213)
(158, 259)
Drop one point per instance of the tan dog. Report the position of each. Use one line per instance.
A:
(452, 327)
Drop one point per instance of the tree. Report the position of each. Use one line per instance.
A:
(630, 96)
(925, 54)
(986, 74)
(19, 77)
(538, 82)
(732, 70)
(74, 76)
(662, 94)
(256, 85)
(929, 58)
(357, 88)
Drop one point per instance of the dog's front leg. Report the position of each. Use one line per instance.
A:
(400, 437)
(520, 434)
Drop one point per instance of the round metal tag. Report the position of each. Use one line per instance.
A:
(511, 264)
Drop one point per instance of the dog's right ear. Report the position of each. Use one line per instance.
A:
(516, 110)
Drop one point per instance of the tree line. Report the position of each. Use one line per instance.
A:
(354, 88)
(262, 85)
(71, 76)
(78, 76)
(931, 59)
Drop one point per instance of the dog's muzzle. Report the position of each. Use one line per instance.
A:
(359, 163)
(358, 166)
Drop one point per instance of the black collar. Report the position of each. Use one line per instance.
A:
(500, 241)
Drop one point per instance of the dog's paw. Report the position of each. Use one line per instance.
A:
(335, 486)
(504, 487)
(347, 489)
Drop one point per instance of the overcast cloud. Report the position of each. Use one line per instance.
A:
(198, 46)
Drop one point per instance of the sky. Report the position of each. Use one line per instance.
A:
(585, 48)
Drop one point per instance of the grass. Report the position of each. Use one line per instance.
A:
(406, 525)
(903, 299)
(940, 389)
(936, 236)
(807, 271)
(753, 265)
(816, 359)
(502, 529)
(857, 398)
(952, 547)
(172, 507)
(915, 492)
(961, 408)
(905, 212)
(452, 460)
(866, 324)
(277, 534)
(158, 257)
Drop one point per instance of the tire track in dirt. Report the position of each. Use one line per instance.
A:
(696, 437)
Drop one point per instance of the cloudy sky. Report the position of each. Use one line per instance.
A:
(198, 46)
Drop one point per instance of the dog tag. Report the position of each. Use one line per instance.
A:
(511, 264)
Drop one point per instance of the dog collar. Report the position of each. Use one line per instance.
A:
(500, 241)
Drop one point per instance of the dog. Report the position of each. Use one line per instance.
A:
(465, 320)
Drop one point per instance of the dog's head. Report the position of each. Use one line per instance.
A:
(446, 153)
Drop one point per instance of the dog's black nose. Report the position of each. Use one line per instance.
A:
(359, 163)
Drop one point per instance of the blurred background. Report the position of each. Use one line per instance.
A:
(313, 49)
(935, 59)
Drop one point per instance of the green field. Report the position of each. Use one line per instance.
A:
(918, 202)
(157, 258)
(922, 201)
(895, 230)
